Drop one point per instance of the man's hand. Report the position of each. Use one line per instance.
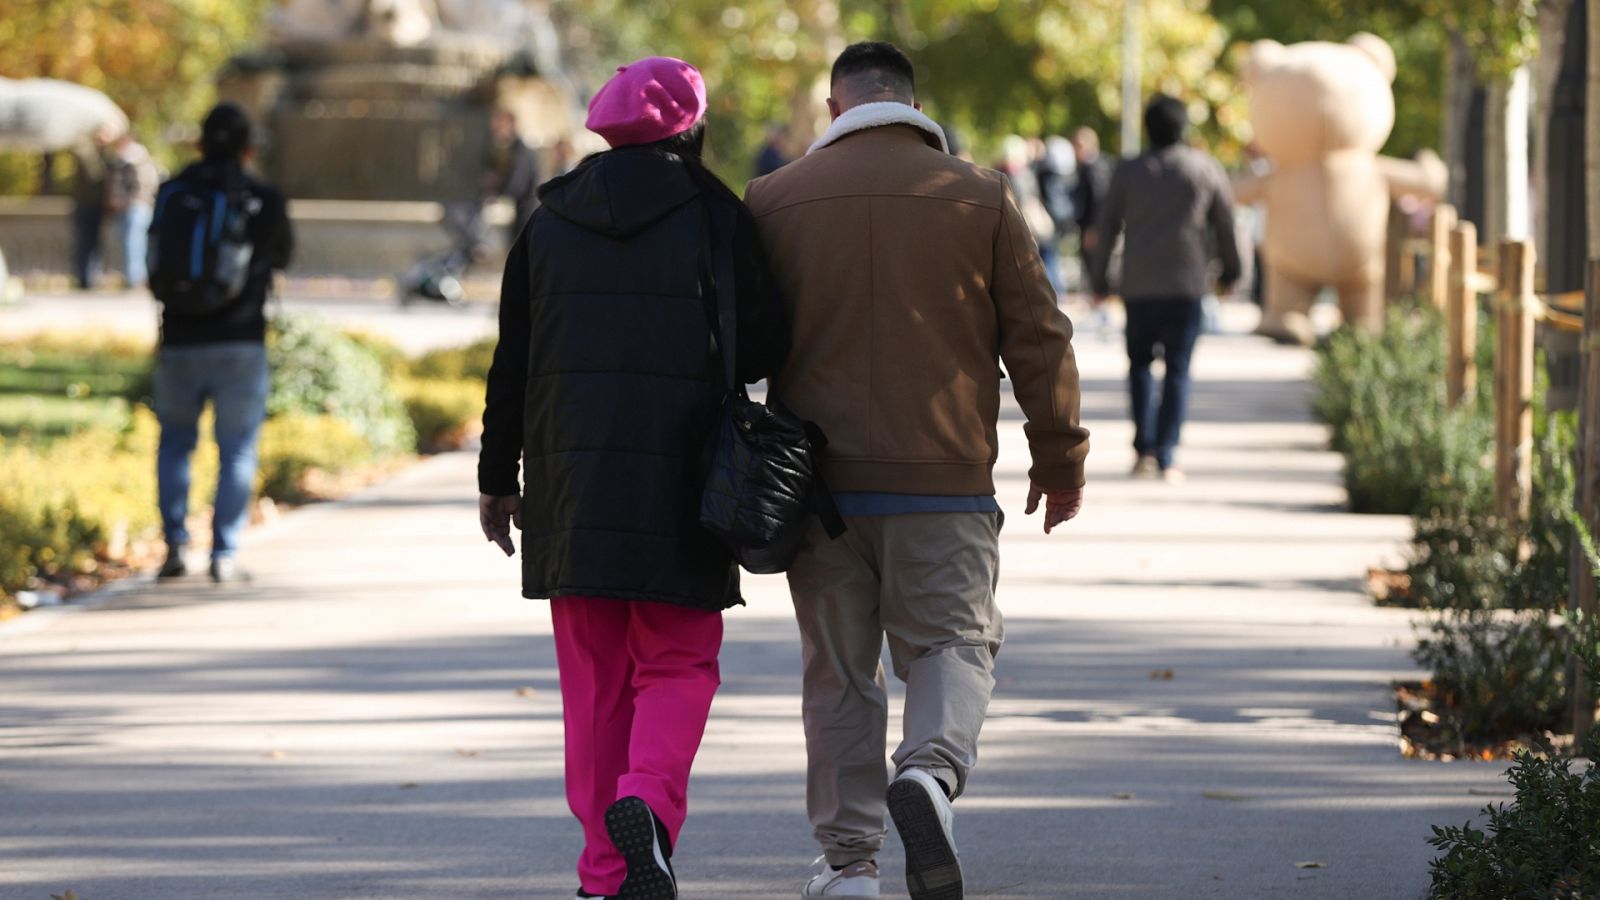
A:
(496, 515)
(1059, 506)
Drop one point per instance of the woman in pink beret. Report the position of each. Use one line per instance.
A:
(605, 387)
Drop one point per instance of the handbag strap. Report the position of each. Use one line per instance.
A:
(720, 223)
(822, 502)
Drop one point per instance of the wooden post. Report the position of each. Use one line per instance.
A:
(1461, 314)
(1583, 581)
(1394, 256)
(1444, 222)
(1513, 482)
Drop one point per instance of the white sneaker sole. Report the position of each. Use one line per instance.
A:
(932, 870)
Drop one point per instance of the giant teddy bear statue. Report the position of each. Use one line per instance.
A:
(1320, 112)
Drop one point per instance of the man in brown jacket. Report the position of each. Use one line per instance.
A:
(910, 275)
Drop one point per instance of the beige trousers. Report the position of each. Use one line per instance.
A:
(927, 582)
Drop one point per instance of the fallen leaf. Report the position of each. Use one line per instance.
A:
(410, 785)
(1122, 796)
(1311, 865)
(1225, 795)
(462, 751)
(1160, 674)
(275, 754)
(525, 692)
(69, 895)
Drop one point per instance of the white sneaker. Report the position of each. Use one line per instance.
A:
(859, 879)
(922, 815)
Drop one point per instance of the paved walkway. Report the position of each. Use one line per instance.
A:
(377, 715)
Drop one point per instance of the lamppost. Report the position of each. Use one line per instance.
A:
(1132, 51)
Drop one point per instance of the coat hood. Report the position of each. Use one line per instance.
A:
(621, 192)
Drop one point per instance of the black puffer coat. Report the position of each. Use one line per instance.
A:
(602, 382)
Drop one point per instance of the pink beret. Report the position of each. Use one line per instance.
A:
(648, 101)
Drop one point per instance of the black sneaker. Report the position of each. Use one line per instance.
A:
(225, 570)
(641, 839)
(174, 566)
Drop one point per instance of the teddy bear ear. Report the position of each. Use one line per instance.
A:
(1377, 48)
(1263, 55)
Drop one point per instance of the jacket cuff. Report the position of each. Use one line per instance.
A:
(1065, 477)
(1057, 458)
(498, 484)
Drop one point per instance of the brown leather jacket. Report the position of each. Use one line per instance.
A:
(908, 272)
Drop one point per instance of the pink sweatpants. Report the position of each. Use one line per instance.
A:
(637, 679)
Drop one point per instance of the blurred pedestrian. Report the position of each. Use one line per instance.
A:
(217, 236)
(89, 206)
(511, 169)
(1016, 163)
(956, 142)
(600, 389)
(132, 178)
(774, 153)
(910, 274)
(1165, 201)
(1088, 190)
(1055, 171)
(563, 156)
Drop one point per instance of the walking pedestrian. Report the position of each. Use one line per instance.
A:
(601, 388)
(910, 274)
(131, 182)
(1088, 190)
(1171, 203)
(89, 207)
(218, 234)
(511, 169)
(1017, 163)
(1055, 172)
(774, 153)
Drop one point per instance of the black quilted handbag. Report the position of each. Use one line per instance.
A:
(763, 481)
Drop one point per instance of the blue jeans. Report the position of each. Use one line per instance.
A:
(233, 376)
(133, 230)
(1051, 257)
(1173, 326)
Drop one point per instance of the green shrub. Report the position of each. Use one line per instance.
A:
(1464, 558)
(1541, 847)
(445, 414)
(1499, 675)
(82, 497)
(318, 370)
(1383, 398)
(388, 353)
(456, 363)
(296, 445)
(53, 384)
(1546, 844)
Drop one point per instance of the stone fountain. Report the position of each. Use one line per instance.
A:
(389, 99)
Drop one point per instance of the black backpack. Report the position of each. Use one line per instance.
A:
(199, 254)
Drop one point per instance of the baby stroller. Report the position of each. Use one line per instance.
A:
(438, 277)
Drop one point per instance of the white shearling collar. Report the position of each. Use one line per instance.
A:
(877, 115)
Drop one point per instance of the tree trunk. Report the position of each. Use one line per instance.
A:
(1132, 67)
(1460, 79)
(1506, 137)
(1584, 586)
(1552, 17)
(1592, 126)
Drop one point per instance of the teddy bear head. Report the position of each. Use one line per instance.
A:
(1312, 99)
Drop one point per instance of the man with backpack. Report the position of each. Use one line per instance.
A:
(216, 237)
